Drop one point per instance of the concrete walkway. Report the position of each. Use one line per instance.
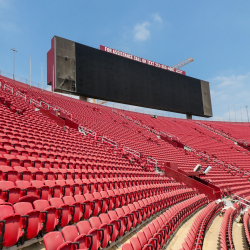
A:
(36, 246)
(239, 238)
(178, 240)
(211, 241)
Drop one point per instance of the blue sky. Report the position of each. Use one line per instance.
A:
(215, 33)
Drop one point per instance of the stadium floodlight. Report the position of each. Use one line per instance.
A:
(30, 71)
(42, 74)
(247, 114)
(208, 168)
(14, 62)
(197, 168)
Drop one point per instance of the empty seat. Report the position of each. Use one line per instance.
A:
(88, 205)
(10, 226)
(31, 219)
(65, 212)
(54, 241)
(77, 208)
(9, 174)
(49, 214)
(43, 191)
(114, 219)
(9, 192)
(26, 188)
(98, 228)
(70, 233)
(127, 219)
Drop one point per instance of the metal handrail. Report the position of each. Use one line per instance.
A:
(152, 160)
(18, 93)
(131, 151)
(107, 140)
(35, 102)
(146, 127)
(242, 199)
(8, 88)
(137, 122)
(129, 118)
(42, 102)
(84, 130)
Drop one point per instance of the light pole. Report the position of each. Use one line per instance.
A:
(229, 114)
(30, 71)
(14, 62)
(247, 114)
(42, 73)
(241, 115)
(234, 113)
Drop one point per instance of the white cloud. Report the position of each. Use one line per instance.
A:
(231, 80)
(141, 31)
(230, 94)
(157, 17)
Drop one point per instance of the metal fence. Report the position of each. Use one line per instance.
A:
(20, 79)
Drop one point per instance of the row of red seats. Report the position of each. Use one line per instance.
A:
(22, 173)
(34, 149)
(32, 161)
(13, 192)
(196, 234)
(246, 226)
(37, 158)
(226, 239)
(156, 234)
(24, 221)
(100, 231)
(24, 160)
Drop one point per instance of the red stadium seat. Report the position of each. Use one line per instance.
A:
(64, 213)
(49, 214)
(54, 241)
(31, 219)
(10, 226)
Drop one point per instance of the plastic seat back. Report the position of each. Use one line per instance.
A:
(64, 212)
(104, 218)
(108, 199)
(10, 193)
(114, 220)
(75, 206)
(9, 174)
(42, 190)
(135, 243)
(34, 218)
(127, 246)
(10, 225)
(26, 188)
(126, 219)
(75, 187)
(105, 201)
(49, 214)
(70, 233)
(55, 189)
(54, 241)
(106, 231)
(65, 188)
